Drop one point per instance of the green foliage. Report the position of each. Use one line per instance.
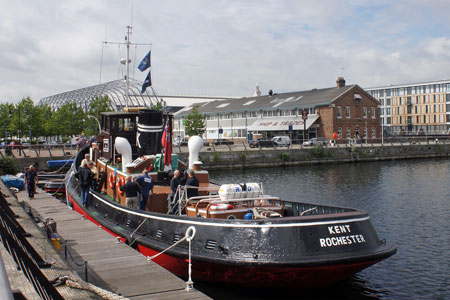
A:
(7, 166)
(24, 119)
(284, 156)
(5, 119)
(242, 157)
(158, 105)
(318, 151)
(216, 157)
(96, 107)
(195, 123)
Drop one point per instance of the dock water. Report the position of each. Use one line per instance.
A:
(111, 265)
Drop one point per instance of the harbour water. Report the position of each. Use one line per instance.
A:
(409, 205)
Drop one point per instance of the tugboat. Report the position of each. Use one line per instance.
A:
(243, 236)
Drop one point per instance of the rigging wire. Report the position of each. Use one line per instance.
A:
(120, 71)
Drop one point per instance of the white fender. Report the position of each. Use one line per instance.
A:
(124, 148)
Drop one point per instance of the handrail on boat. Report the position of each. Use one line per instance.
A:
(216, 200)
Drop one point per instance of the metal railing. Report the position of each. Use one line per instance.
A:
(25, 256)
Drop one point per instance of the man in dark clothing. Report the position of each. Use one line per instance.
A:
(85, 176)
(30, 181)
(191, 181)
(174, 183)
(131, 189)
(146, 184)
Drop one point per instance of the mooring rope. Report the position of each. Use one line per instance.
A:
(77, 283)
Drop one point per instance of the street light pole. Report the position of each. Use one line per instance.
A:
(98, 123)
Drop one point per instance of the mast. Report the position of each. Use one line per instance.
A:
(127, 61)
(127, 42)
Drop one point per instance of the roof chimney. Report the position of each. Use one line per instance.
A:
(270, 92)
(340, 82)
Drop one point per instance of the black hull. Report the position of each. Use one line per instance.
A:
(304, 252)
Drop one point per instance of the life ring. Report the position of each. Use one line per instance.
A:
(112, 180)
(119, 185)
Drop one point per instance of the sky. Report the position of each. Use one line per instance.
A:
(221, 47)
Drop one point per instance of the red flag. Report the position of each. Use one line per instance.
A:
(166, 142)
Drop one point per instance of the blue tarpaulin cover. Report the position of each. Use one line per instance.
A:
(59, 163)
(13, 181)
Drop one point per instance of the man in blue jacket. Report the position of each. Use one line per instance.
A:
(146, 184)
(85, 177)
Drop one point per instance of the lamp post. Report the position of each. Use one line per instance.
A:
(98, 123)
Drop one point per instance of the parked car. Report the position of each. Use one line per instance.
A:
(316, 141)
(15, 144)
(259, 143)
(218, 142)
(282, 140)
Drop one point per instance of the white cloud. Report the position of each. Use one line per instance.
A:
(221, 47)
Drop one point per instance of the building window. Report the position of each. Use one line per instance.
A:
(365, 132)
(374, 132)
(339, 112)
(340, 133)
(373, 112)
(347, 112)
(365, 112)
(348, 133)
(357, 133)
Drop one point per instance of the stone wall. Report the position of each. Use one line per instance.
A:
(222, 160)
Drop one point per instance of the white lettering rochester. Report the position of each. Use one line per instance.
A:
(341, 240)
(322, 243)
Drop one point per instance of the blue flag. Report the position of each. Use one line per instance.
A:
(145, 63)
(147, 82)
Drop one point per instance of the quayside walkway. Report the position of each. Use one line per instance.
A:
(110, 265)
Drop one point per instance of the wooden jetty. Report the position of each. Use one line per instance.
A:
(110, 264)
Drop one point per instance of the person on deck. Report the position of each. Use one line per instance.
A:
(174, 183)
(192, 181)
(131, 189)
(85, 176)
(31, 180)
(146, 184)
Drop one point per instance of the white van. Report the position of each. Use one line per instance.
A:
(281, 140)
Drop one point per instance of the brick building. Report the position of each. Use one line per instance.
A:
(346, 110)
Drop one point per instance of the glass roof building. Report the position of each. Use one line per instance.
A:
(115, 90)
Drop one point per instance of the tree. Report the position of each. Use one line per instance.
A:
(98, 105)
(158, 105)
(195, 123)
(67, 120)
(5, 120)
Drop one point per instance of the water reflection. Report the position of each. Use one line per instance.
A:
(408, 202)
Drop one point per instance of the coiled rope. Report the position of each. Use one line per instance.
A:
(77, 283)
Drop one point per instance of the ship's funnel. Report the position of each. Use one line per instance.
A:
(124, 148)
(195, 144)
(150, 126)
